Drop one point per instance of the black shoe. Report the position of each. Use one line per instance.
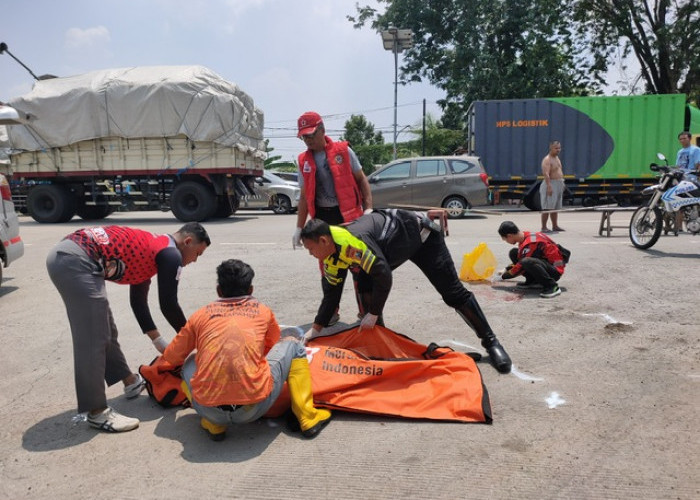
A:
(499, 357)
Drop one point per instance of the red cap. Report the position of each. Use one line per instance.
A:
(308, 122)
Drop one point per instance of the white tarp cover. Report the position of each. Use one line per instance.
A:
(149, 101)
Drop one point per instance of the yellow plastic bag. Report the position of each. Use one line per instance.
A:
(478, 264)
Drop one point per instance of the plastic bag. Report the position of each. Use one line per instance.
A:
(479, 264)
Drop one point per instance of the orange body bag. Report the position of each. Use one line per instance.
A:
(382, 372)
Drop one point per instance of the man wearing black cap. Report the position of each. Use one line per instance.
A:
(333, 186)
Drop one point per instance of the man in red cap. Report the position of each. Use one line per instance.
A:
(333, 186)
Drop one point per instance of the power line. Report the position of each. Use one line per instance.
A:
(333, 116)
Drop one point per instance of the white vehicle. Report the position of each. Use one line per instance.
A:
(273, 192)
(11, 245)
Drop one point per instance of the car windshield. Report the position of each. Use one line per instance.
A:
(287, 176)
(272, 178)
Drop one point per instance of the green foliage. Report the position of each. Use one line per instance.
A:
(662, 35)
(486, 49)
(270, 159)
(282, 166)
(367, 144)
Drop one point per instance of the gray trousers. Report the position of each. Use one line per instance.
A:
(97, 356)
(279, 359)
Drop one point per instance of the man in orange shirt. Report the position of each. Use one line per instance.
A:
(241, 364)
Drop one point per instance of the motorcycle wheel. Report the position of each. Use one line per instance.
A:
(645, 227)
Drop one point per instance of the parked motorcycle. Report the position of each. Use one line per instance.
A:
(673, 193)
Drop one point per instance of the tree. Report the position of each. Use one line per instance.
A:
(486, 49)
(439, 140)
(662, 35)
(367, 144)
(270, 159)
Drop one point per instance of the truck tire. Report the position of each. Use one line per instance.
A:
(51, 203)
(224, 207)
(192, 201)
(93, 212)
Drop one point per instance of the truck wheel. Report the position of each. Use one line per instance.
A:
(455, 207)
(223, 207)
(93, 212)
(192, 201)
(51, 203)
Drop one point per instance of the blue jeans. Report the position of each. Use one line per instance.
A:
(279, 359)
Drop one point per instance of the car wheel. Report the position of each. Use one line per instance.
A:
(281, 204)
(455, 207)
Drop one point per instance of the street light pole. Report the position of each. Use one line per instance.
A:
(396, 40)
(396, 91)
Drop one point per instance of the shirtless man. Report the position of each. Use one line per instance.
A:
(552, 187)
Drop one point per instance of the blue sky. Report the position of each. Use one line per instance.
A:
(289, 56)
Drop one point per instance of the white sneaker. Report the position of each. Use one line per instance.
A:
(111, 421)
(133, 390)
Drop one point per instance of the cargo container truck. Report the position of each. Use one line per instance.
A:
(607, 142)
(177, 138)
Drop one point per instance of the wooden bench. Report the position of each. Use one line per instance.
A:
(605, 222)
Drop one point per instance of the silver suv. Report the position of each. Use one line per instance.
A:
(455, 183)
(273, 192)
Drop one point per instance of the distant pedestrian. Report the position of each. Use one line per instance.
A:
(552, 187)
(537, 257)
(79, 266)
(687, 159)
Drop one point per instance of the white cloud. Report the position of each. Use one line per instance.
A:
(79, 38)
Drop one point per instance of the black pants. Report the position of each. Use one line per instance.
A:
(434, 260)
(536, 270)
(334, 217)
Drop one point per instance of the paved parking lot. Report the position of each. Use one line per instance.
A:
(603, 401)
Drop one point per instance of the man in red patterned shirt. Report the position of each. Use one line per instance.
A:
(79, 266)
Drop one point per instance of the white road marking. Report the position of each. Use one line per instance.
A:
(554, 400)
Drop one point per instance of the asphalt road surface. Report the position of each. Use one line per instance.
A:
(603, 401)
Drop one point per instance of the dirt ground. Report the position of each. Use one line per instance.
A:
(603, 401)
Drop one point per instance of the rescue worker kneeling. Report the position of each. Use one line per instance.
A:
(373, 246)
(240, 364)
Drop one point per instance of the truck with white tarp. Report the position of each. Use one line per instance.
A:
(177, 138)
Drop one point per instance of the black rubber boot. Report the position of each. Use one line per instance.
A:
(472, 314)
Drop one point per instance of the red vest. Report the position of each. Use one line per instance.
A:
(137, 249)
(346, 190)
(540, 246)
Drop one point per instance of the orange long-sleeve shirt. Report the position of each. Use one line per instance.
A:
(232, 338)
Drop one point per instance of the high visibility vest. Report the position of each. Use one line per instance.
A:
(346, 190)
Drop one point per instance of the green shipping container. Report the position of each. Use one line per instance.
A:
(607, 142)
